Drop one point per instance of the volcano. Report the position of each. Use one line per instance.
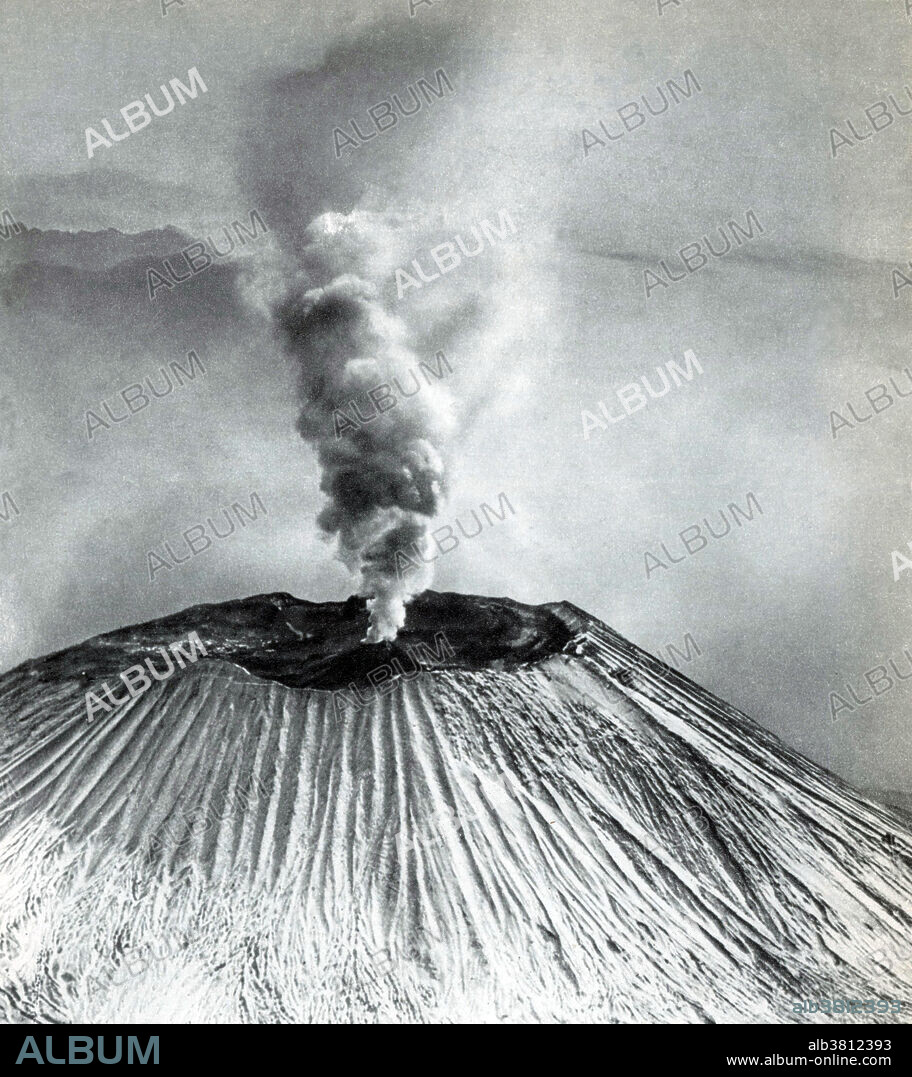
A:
(509, 814)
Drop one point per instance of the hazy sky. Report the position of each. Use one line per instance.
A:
(546, 323)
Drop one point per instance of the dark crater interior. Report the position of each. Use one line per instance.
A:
(318, 645)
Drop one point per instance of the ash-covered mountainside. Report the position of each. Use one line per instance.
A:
(511, 813)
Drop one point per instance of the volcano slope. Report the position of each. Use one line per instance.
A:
(509, 814)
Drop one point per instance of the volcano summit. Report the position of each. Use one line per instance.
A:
(528, 819)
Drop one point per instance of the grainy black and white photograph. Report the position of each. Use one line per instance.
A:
(455, 520)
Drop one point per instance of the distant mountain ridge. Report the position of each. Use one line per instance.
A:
(92, 250)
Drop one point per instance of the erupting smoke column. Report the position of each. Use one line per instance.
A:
(385, 477)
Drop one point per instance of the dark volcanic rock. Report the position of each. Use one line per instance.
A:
(319, 644)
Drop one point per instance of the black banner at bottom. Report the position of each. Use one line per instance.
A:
(710, 1048)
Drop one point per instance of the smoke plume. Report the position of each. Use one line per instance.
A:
(384, 478)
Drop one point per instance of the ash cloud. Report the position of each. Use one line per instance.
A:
(384, 480)
(344, 227)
